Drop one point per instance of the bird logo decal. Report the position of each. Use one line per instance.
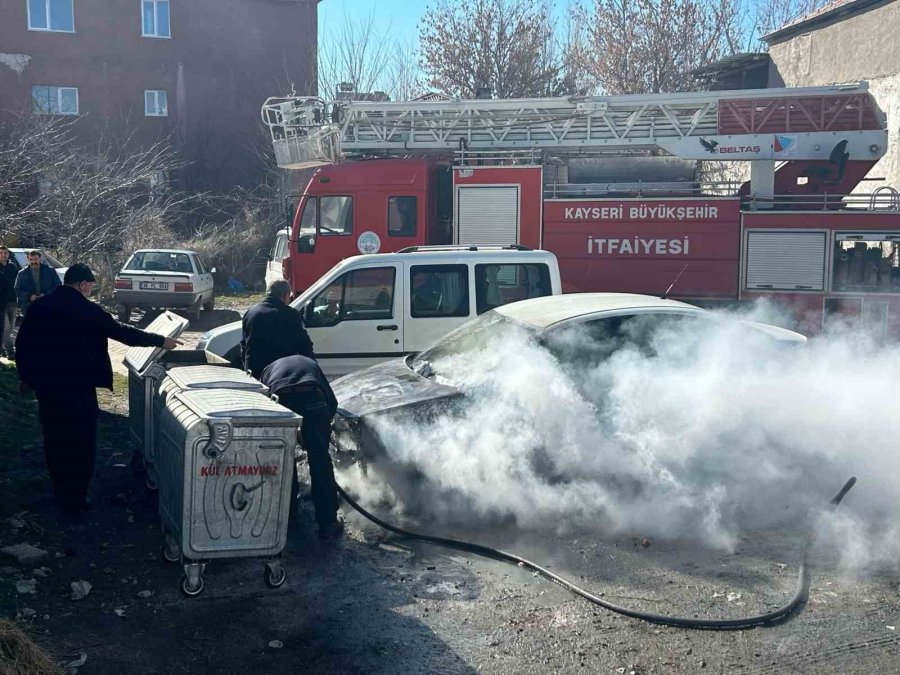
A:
(710, 146)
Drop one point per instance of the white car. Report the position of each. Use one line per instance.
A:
(274, 268)
(371, 308)
(164, 279)
(19, 258)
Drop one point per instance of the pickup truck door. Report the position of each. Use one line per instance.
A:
(357, 320)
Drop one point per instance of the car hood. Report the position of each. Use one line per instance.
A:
(387, 386)
(221, 330)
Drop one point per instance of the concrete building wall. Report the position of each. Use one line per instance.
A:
(224, 58)
(861, 46)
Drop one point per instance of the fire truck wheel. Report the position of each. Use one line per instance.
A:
(274, 578)
(186, 589)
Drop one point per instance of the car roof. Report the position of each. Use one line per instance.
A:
(164, 250)
(461, 254)
(548, 310)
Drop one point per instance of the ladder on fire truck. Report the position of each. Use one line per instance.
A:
(759, 124)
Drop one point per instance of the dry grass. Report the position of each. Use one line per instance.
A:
(19, 655)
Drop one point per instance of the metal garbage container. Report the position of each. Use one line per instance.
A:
(186, 378)
(146, 368)
(225, 459)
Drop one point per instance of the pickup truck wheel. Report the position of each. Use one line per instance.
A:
(210, 304)
(124, 313)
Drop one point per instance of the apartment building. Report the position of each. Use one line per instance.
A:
(193, 71)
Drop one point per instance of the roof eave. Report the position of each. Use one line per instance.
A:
(803, 26)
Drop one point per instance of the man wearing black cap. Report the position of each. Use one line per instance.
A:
(63, 357)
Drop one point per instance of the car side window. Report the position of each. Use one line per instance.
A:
(439, 291)
(359, 295)
(497, 285)
(198, 263)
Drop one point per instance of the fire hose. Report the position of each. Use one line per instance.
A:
(799, 596)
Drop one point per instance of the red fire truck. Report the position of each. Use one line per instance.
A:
(611, 186)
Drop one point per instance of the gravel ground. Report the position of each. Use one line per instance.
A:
(375, 603)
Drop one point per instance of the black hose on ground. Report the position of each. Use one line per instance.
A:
(678, 621)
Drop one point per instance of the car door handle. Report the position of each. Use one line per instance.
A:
(387, 327)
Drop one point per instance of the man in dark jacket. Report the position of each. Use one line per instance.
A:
(63, 357)
(301, 386)
(273, 329)
(35, 280)
(7, 302)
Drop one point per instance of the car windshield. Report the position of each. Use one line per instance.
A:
(485, 332)
(159, 261)
(50, 260)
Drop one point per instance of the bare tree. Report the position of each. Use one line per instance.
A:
(649, 46)
(356, 53)
(509, 46)
(770, 15)
(403, 77)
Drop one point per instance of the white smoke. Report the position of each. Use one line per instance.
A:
(713, 433)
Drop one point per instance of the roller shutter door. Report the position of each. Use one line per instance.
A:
(487, 215)
(787, 261)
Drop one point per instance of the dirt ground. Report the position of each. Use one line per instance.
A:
(372, 602)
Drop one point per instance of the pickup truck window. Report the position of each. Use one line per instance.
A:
(497, 285)
(401, 216)
(360, 295)
(439, 291)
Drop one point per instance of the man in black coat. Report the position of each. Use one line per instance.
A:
(301, 386)
(8, 273)
(62, 355)
(273, 329)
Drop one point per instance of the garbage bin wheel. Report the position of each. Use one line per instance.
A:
(168, 556)
(186, 589)
(274, 578)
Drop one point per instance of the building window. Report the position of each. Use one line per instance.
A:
(54, 100)
(56, 15)
(155, 18)
(401, 216)
(156, 103)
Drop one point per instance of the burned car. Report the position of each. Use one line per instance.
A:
(575, 331)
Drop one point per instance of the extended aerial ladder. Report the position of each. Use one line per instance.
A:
(764, 126)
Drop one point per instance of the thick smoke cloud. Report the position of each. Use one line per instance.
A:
(706, 432)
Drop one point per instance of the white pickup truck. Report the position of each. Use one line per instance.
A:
(371, 308)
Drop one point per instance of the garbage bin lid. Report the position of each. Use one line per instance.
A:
(138, 359)
(240, 406)
(214, 377)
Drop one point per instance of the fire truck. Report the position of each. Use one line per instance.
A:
(611, 186)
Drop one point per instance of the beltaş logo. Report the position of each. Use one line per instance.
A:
(784, 143)
(710, 146)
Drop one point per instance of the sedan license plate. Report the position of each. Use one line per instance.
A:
(154, 286)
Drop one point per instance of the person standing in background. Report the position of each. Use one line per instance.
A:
(7, 303)
(35, 280)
